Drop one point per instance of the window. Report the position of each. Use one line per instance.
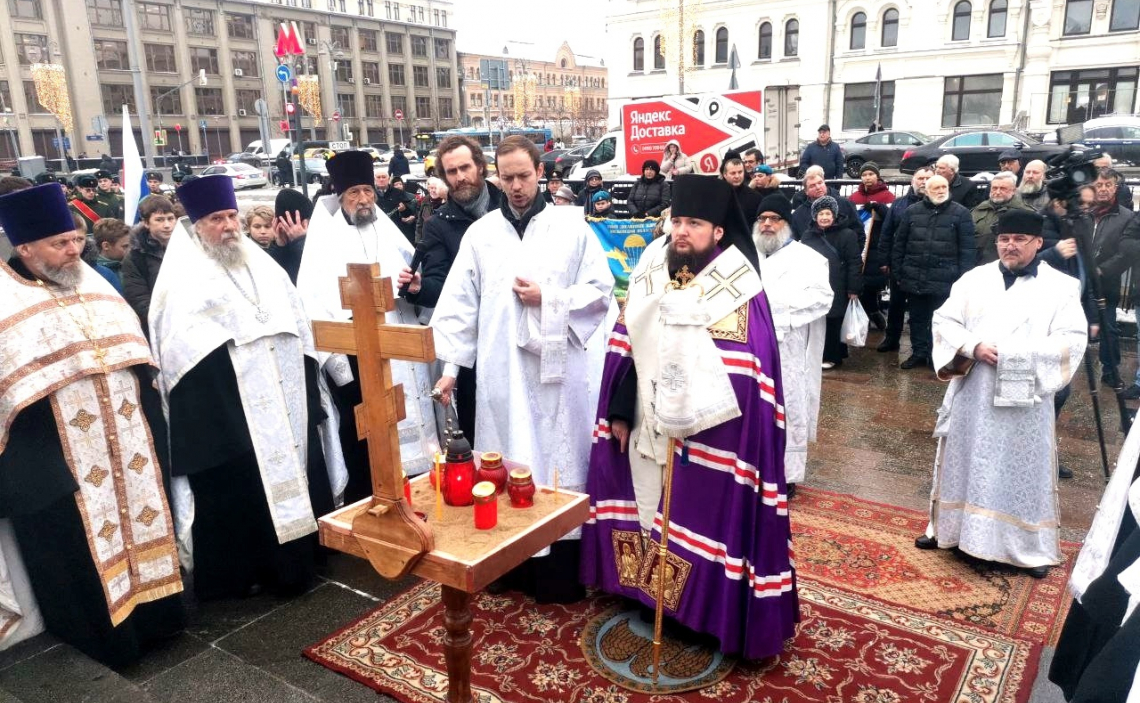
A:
(111, 55)
(972, 100)
(446, 111)
(396, 74)
(639, 54)
(159, 58)
(443, 48)
(890, 35)
(154, 17)
(765, 41)
(239, 26)
(370, 71)
(443, 17)
(209, 101)
(246, 100)
(999, 10)
(367, 39)
(170, 104)
(373, 105)
(859, 104)
(1078, 17)
(1076, 96)
(199, 22)
(961, 31)
(420, 76)
(115, 96)
(343, 69)
(346, 102)
(100, 13)
(443, 78)
(792, 38)
(964, 140)
(202, 58)
(29, 10)
(395, 43)
(658, 54)
(722, 45)
(339, 37)
(1125, 16)
(859, 30)
(34, 105)
(31, 48)
(419, 47)
(699, 48)
(1001, 139)
(6, 95)
(423, 107)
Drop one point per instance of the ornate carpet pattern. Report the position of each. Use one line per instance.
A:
(848, 648)
(868, 548)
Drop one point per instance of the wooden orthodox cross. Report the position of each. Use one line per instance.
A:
(389, 531)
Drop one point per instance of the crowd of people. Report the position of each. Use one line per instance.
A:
(195, 323)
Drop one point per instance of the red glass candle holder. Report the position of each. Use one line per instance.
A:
(486, 505)
(458, 480)
(520, 488)
(491, 469)
(407, 487)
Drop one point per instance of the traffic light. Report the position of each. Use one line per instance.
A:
(294, 118)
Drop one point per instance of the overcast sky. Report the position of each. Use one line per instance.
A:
(481, 25)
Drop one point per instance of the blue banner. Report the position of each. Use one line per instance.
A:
(623, 241)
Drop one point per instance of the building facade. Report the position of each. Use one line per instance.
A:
(371, 59)
(945, 64)
(562, 91)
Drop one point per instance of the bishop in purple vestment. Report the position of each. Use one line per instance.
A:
(696, 369)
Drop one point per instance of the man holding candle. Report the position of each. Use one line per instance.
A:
(528, 289)
(692, 370)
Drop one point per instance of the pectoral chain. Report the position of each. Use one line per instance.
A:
(261, 315)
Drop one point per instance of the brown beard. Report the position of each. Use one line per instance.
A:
(695, 260)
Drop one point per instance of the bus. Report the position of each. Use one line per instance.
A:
(536, 134)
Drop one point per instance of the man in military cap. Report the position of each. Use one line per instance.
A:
(108, 193)
(87, 202)
(154, 181)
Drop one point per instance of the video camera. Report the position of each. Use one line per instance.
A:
(1070, 171)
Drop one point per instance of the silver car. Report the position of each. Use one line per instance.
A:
(884, 148)
(243, 175)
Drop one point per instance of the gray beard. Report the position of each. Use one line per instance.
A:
(362, 216)
(1029, 188)
(228, 255)
(1001, 202)
(62, 276)
(770, 243)
(940, 200)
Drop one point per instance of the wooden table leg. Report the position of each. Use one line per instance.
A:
(457, 643)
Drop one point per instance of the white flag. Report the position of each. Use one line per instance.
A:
(133, 177)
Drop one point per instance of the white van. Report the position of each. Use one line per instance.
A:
(267, 155)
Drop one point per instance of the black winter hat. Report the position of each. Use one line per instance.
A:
(869, 166)
(289, 200)
(824, 202)
(350, 168)
(650, 163)
(1020, 222)
(777, 203)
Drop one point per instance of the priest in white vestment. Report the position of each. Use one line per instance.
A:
(799, 292)
(526, 295)
(1011, 335)
(348, 228)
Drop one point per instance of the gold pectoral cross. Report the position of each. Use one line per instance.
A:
(683, 278)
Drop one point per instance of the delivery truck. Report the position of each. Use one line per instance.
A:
(705, 125)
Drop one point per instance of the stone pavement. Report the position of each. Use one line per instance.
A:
(874, 443)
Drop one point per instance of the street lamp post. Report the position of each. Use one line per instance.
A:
(335, 54)
(201, 78)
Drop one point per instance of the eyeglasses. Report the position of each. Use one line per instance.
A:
(769, 218)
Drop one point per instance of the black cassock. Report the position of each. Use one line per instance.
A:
(1097, 656)
(235, 545)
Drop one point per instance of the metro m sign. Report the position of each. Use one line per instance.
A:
(289, 41)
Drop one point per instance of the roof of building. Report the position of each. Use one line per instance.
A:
(537, 50)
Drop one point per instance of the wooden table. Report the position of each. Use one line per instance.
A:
(464, 560)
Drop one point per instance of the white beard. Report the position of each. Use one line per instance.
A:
(770, 244)
(1029, 188)
(229, 254)
(939, 200)
(63, 276)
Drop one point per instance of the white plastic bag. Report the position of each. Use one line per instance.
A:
(855, 324)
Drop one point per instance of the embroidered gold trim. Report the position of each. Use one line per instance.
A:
(676, 576)
(127, 409)
(628, 556)
(137, 463)
(108, 530)
(147, 515)
(83, 420)
(96, 476)
(733, 327)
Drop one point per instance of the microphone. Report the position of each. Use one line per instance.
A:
(417, 259)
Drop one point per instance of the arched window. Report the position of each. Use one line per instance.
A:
(961, 21)
(765, 40)
(859, 31)
(658, 53)
(562, 64)
(792, 38)
(699, 48)
(639, 54)
(722, 45)
(998, 11)
(891, 27)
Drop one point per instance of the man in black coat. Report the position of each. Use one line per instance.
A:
(396, 204)
(896, 312)
(934, 245)
(465, 168)
(1116, 247)
(823, 153)
(962, 190)
(814, 189)
(732, 171)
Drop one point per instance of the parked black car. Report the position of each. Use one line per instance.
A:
(564, 162)
(978, 150)
(549, 158)
(1116, 135)
(884, 148)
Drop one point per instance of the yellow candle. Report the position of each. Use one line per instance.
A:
(555, 484)
(438, 489)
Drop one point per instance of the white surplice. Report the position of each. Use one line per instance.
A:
(995, 475)
(799, 294)
(532, 397)
(331, 245)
